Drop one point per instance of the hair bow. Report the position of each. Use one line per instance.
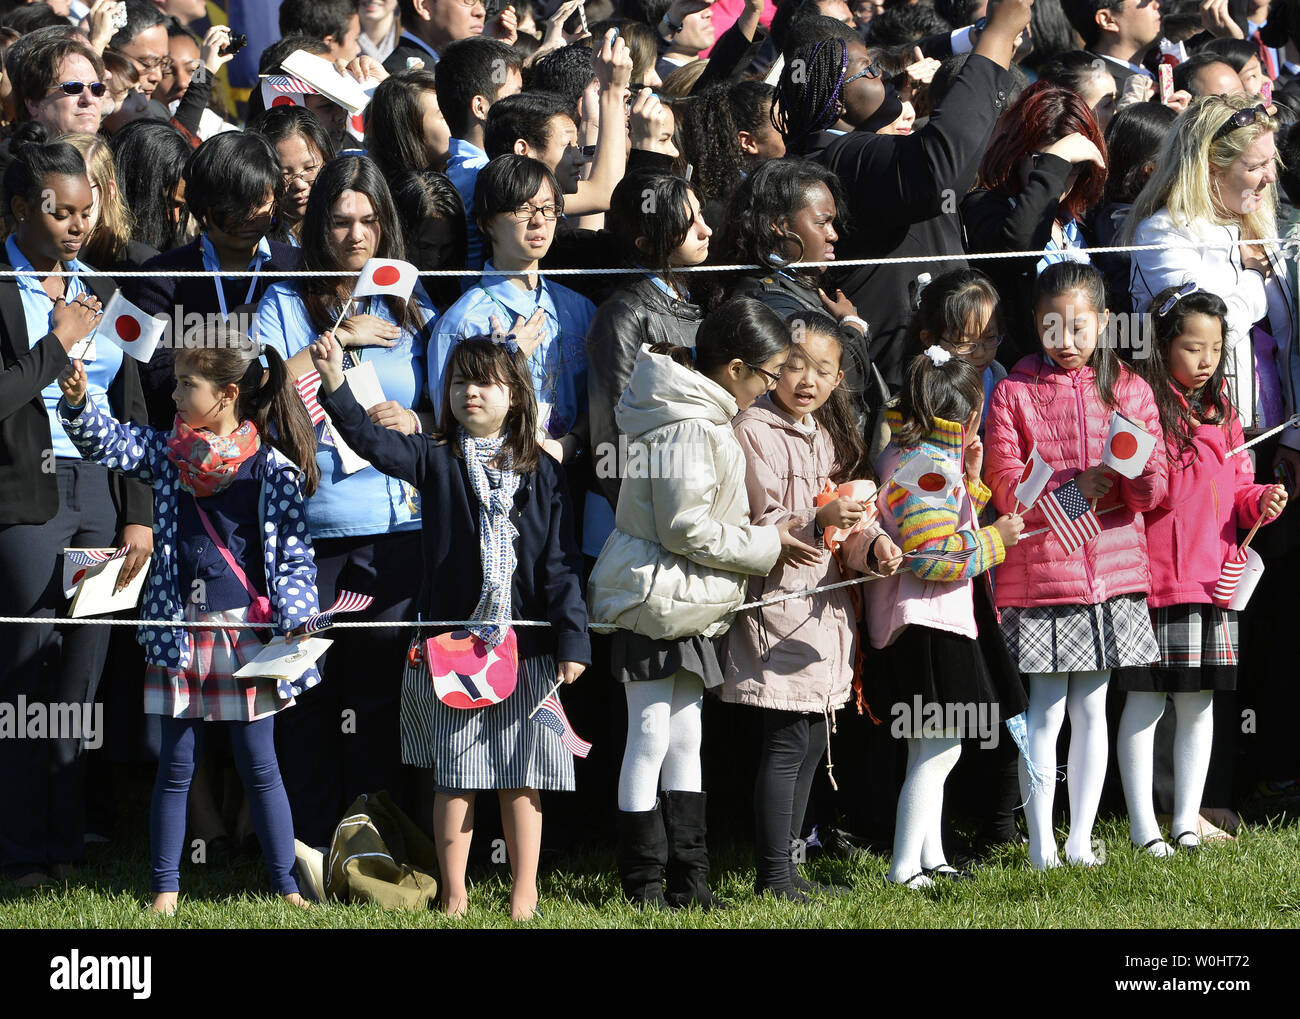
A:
(1186, 290)
(937, 355)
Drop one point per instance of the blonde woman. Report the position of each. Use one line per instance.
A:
(109, 244)
(1213, 186)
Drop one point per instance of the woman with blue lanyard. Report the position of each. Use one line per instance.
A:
(517, 201)
(365, 525)
(50, 500)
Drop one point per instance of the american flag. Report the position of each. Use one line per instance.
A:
(308, 386)
(347, 601)
(960, 555)
(551, 714)
(1226, 586)
(288, 85)
(1070, 517)
(95, 556)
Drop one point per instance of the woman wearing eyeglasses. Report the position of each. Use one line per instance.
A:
(517, 201)
(303, 146)
(1044, 170)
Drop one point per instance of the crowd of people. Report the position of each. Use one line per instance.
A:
(643, 396)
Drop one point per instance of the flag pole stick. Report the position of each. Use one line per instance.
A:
(1016, 512)
(346, 305)
(552, 690)
(1246, 544)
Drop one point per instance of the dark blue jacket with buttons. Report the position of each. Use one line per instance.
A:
(547, 583)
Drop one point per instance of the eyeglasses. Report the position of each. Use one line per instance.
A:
(1242, 118)
(772, 377)
(307, 175)
(163, 64)
(527, 211)
(472, 3)
(872, 70)
(75, 88)
(966, 349)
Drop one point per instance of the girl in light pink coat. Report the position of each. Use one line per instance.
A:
(1070, 616)
(1190, 535)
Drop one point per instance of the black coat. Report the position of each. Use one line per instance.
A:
(994, 223)
(179, 298)
(29, 492)
(548, 572)
(629, 318)
(903, 194)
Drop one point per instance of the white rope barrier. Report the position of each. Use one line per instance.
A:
(1290, 246)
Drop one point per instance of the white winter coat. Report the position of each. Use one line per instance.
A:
(682, 547)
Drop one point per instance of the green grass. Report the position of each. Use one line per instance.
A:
(1250, 884)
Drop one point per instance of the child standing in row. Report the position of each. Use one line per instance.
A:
(795, 658)
(1190, 536)
(1069, 618)
(673, 572)
(231, 546)
(498, 545)
(935, 626)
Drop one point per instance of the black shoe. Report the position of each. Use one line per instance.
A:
(688, 851)
(642, 854)
(801, 884)
(785, 893)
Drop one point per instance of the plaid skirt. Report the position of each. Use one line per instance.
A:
(208, 689)
(1198, 651)
(1081, 638)
(496, 747)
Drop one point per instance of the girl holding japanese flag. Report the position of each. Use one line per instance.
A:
(795, 659)
(366, 525)
(1072, 599)
(935, 628)
(1191, 534)
(232, 548)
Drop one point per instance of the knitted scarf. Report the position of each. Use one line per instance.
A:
(208, 462)
(495, 489)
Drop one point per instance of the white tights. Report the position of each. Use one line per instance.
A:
(918, 840)
(1135, 745)
(1051, 694)
(663, 740)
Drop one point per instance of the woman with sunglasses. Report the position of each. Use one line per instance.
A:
(517, 201)
(59, 83)
(1044, 170)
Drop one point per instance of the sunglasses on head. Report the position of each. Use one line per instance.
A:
(1242, 118)
(74, 88)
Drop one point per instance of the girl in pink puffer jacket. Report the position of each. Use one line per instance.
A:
(1191, 534)
(1068, 619)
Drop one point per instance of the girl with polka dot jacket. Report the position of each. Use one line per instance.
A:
(231, 546)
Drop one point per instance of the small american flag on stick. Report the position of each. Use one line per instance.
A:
(551, 714)
(347, 601)
(95, 556)
(1070, 517)
(1229, 578)
(308, 387)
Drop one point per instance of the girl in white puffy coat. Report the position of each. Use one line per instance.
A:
(672, 573)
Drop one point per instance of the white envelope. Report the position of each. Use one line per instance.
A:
(283, 660)
(364, 383)
(94, 595)
(324, 77)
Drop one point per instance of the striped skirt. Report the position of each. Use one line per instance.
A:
(497, 747)
(1198, 651)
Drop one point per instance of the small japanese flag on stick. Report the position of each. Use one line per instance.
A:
(384, 276)
(1128, 446)
(130, 328)
(1033, 479)
(927, 479)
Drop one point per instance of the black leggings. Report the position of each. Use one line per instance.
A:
(793, 745)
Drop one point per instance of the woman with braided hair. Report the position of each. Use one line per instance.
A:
(902, 190)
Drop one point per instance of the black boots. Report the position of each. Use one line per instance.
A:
(688, 864)
(642, 854)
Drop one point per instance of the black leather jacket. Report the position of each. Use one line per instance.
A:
(629, 318)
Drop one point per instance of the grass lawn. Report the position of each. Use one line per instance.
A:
(1250, 884)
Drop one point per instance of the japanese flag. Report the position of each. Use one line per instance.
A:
(1033, 479)
(927, 479)
(1128, 447)
(282, 90)
(130, 328)
(387, 276)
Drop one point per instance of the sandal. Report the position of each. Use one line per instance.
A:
(948, 872)
(917, 882)
(1187, 847)
(1151, 848)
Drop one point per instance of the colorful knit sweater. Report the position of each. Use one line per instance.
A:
(938, 529)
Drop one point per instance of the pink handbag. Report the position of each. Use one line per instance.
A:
(465, 672)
